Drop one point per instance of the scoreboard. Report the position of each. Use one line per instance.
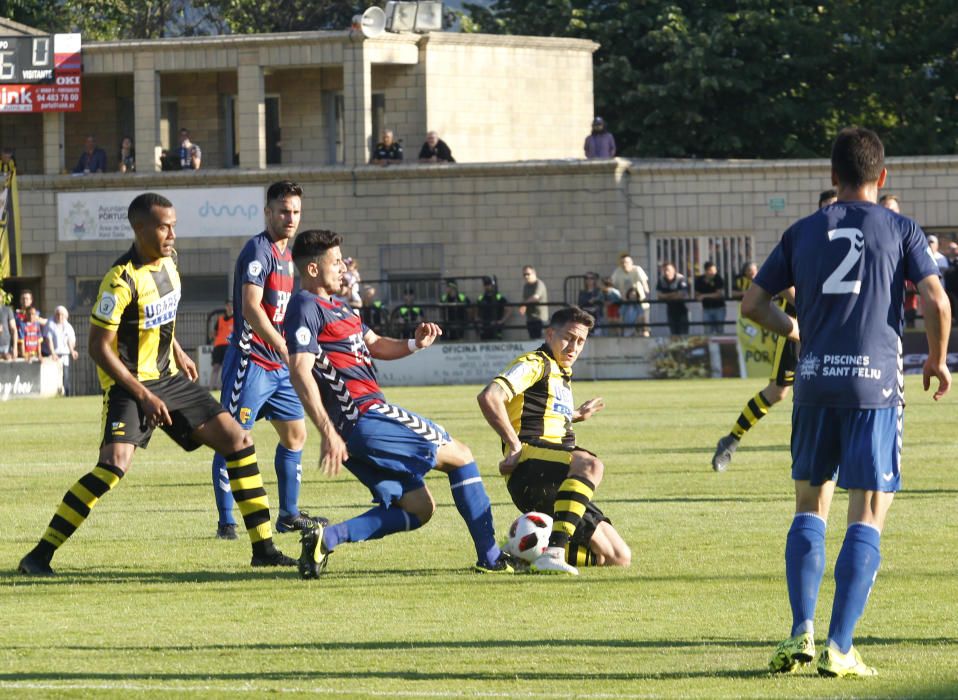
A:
(26, 59)
(40, 73)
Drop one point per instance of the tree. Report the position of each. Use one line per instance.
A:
(259, 16)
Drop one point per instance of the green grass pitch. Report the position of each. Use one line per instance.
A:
(147, 602)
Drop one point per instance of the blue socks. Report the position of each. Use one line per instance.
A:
(855, 572)
(371, 525)
(289, 475)
(804, 567)
(222, 492)
(473, 505)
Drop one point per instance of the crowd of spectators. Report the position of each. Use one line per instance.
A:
(26, 335)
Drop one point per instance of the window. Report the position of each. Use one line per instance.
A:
(729, 252)
(334, 106)
(169, 123)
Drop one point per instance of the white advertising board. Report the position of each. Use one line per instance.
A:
(201, 212)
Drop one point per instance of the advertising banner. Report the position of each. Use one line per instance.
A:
(201, 212)
(26, 380)
(757, 346)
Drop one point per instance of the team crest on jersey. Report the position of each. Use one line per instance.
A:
(255, 268)
(808, 367)
(244, 414)
(106, 306)
(302, 335)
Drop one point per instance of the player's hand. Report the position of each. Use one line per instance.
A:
(941, 372)
(332, 454)
(590, 408)
(509, 464)
(426, 334)
(185, 363)
(155, 412)
(283, 353)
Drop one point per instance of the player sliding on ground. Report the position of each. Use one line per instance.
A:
(848, 263)
(147, 381)
(530, 407)
(388, 448)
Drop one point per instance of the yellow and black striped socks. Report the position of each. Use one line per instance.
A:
(754, 411)
(578, 556)
(573, 496)
(249, 494)
(76, 506)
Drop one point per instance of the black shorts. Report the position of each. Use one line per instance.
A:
(785, 361)
(189, 404)
(535, 483)
(219, 354)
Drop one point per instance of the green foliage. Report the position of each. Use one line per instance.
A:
(149, 604)
(758, 78)
(259, 16)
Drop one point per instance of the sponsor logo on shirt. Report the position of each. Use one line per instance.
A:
(162, 311)
(809, 366)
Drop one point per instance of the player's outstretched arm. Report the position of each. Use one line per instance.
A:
(757, 305)
(103, 354)
(492, 402)
(333, 451)
(937, 310)
(588, 409)
(382, 348)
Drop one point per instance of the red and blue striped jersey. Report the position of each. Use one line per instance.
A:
(344, 371)
(261, 263)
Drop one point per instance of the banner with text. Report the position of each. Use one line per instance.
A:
(201, 212)
(23, 380)
(62, 94)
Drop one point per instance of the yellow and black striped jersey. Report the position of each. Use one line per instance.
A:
(742, 283)
(540, 402)
(139, 302)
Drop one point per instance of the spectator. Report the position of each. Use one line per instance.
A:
(590, 301)
(600, 143)
(62, 340)
(710, 290)
(92, 160)
(534, 298)
(493, 311)
(628, 275)
(30, 335)
(168, 161)
(26, 301)
(388, 151)
(674, 290)
(409, 314)
(938, 255)
(9, 336)
(127, 158)
(454, 304)
(351, 282)
(890, 201)
(612, 303)
(744, 280)
(951, 277)
(373, 312)
(220, 337)
(8, 164)
(190, 155)
(632, 313)
(435, 150)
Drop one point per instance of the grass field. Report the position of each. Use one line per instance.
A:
(148, 603)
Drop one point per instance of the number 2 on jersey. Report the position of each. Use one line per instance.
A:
(836, 284)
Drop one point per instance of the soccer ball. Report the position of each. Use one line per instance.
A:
(529, 535)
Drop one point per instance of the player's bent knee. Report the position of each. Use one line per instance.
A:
(589, 466)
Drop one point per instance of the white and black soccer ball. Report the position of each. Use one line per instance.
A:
(529, 535)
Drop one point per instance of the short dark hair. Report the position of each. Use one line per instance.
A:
(313, 244)
(887, 198)
(825, 196)
(571, 314)
(707, 264)
(141, 208)
(858, 156)
(282, 190)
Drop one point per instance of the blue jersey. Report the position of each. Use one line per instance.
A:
(848, 263)
(261, 263)
(344, 371)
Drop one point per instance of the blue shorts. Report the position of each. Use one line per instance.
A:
(859, 446)
(391, 450)
(251, 392)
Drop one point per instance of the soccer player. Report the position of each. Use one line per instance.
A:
(780, 381)
(388, 448)
(255, 370)
(147, 381)
(848, 263)
(530, 407)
